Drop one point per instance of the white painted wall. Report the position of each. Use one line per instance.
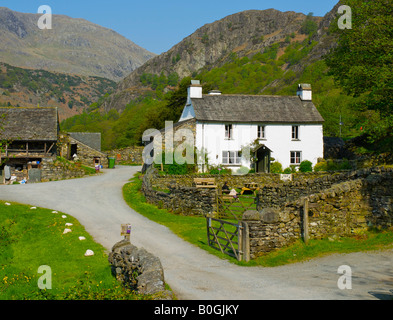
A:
(211, 137)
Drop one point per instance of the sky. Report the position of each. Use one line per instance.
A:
(157, 25)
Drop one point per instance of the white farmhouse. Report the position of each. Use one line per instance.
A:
(289, 128)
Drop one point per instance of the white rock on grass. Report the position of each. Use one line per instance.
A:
(64, 216)
(7, 204)
(67, 231)
(33, 208)
(82, 238)
(54, 212)
(69, 224)
(89, 253)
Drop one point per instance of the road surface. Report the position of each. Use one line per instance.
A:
(192, 273)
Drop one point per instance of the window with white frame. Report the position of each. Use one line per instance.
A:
(228, 131)
(296, 157)
(295, 132)
(261, 132)
(231, 157)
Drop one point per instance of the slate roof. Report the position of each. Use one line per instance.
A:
(29, 124)
(255, 108)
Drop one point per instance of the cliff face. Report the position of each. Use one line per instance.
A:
(245, 33)
(73, 46)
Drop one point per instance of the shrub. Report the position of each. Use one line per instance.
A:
(287, 171)
(331, 165)
(219, 170)
(321, 166)
(305, 166)
(276, 167)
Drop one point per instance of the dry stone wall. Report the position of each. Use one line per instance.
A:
(53, 169)
(345, 209)
(339, 204)
(130, 155)
(179, 199)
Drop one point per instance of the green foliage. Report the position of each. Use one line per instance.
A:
(362, 62)
(159, 83)
(309, 26)
(276, 167)
(245, 75)
(321, 166)
(219, 170)
(305, 166)
(333, 165)
(287, 171)
(362, 65)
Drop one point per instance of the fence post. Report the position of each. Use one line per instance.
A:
(208, 225)
(306, 235)
(245, 241)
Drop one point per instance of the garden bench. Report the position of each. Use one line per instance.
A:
(205, 183)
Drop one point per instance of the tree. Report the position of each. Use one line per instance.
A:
(309, 26)
(362, 61)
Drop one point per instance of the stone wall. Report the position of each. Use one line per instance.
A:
(234, 181)
(179, 199)
(340, 204)
(53, 169)
(138, 270)
(345, 209)
(276, 195)
(130, 155)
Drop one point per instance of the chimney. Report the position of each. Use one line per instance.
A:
(304, 92)
(195, 90)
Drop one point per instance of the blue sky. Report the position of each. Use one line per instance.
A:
(157, 25)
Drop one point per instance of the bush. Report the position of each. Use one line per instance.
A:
(305, 166)
(288, 171)
(276, 167)
(321, 166)
(219, 170)
(331, 165)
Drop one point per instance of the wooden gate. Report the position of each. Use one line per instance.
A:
(230, 238)
(229, 207)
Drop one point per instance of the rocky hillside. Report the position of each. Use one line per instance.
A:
(71, 94)
(245, 34)
(73, 46)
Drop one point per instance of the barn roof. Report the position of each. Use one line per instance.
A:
(29, 124)
(255, 108)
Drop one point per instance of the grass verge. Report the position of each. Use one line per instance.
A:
(30, 238)
(193, 230)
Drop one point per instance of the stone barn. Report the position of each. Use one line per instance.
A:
(83, 146)
(28, 136)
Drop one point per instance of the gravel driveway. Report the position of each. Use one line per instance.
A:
(192, 273)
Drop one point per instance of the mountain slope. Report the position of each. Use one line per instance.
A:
(73, 46)
(71, 94)
(246, 34)
(274, 64)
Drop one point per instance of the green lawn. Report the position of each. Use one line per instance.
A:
(193, 229)
(30, 238)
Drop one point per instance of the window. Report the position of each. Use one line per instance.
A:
(228, 131)
(295, 132)
(261, 132)
(231, 157)
(296, 157)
